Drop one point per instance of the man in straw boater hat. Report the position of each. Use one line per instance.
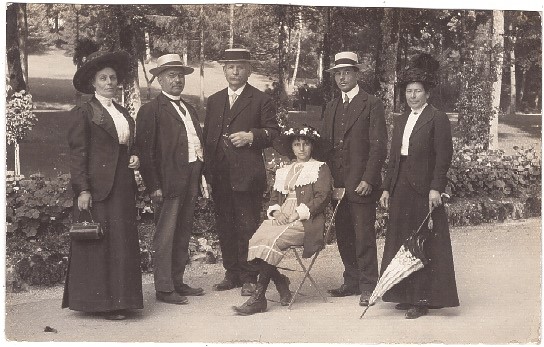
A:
(240, 123)
(355, 124)
(169, 138)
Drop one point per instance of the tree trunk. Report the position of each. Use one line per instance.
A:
(297, 59)
(320, 68)
(184, 48)
(231, 28)
(201, 56)
(283, 54)
(386, 63)
(127, 42)
(327, 79)
(498, 60)
(16, 80)
(23, 37)
(512, 105)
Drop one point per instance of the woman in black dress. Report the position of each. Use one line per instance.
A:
(104, 275)
(421, 152)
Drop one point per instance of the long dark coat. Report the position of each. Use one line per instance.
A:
(409, 181)
(103, 275)
(363, 149)
(162, 143)
(253, 111)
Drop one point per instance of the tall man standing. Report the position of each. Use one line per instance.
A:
(355, 124)
(169, 139)
(240, 123)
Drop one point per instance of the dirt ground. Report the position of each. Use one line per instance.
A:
(498, 269)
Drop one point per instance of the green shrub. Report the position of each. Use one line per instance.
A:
(491, 173)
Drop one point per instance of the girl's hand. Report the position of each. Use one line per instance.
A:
(84, 200)
(384, 199)
(134, 162)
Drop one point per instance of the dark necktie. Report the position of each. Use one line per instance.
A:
(178, 103)
(346, 102)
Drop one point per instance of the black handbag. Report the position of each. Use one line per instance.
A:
(86, 230)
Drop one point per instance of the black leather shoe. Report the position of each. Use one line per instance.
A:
(403, 306)
(248, 289)
(365, 296)
(172, 298)
(226, 284)
(115, 315)
(416, 312)
(186, 290)
(344, 291)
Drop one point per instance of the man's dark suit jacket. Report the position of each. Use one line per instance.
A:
(94, 148)
(253, 111)
(161, 138)
(429, 153)
(363, 149)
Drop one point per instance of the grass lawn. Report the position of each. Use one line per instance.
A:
(45, 149)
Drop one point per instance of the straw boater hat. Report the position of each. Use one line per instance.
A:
(422, 68)
(283, 143)
(236, 55)
(168, 61)
(97, 61)
(345, 59)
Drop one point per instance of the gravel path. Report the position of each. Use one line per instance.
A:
(498, 272)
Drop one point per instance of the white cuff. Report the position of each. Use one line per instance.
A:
(271, 210)
(303, 212)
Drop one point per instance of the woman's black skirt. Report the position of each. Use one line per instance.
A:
(105, 275)
(433, 285)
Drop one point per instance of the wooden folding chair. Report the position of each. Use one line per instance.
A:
(338, 195)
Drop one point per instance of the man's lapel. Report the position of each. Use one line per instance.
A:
(241, 103)
(356, 108)
(166, 104)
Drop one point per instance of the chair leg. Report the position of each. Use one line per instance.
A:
(306, 275)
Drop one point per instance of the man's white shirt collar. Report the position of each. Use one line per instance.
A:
(351, 94)
(237, 91)
(173, 97)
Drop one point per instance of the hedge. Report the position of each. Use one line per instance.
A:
(484, 185)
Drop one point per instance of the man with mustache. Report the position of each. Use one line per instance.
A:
(355, 124)
(169, 138)
(240, 123)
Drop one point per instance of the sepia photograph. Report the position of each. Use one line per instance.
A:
(245, 173)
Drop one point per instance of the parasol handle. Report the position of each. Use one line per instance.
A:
(443, 195)
(362, 314)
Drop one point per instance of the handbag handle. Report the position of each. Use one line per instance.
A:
(90, 214)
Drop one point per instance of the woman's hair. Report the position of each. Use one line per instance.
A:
(426, 85)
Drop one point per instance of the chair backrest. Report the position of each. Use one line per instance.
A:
(338, 195)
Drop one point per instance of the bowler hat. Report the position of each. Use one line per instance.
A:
(236, 55)
(283, 143)
(95, 62)
(345, 59)
(168, 61)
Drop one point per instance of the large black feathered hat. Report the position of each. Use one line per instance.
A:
(422, 69)
(95, 62)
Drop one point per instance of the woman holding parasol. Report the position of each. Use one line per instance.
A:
(421, 152)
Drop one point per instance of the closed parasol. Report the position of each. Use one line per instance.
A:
(409, 259)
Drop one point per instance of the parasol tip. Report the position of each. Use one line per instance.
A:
(362, 314)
